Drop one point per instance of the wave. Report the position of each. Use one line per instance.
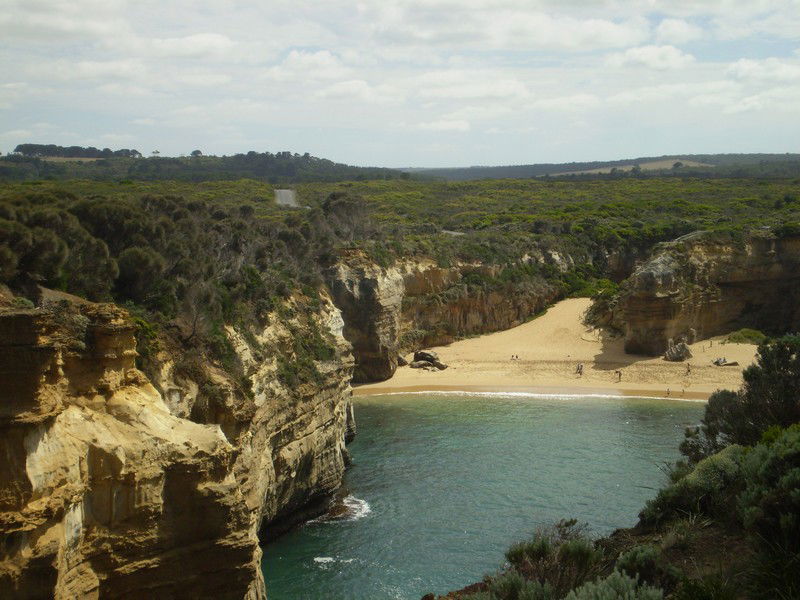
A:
(356, 508)
(532, 395)
(353, 509)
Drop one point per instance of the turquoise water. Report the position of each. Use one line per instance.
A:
(444, 483)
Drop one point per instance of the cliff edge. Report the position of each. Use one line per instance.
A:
(705, 284)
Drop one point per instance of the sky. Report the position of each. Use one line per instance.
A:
(404, 83)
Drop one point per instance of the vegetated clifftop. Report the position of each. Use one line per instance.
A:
(111, 488)
(705, 284)
(416, 303)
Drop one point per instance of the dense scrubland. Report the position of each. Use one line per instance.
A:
(725, 526)
(48, 161)
(199, 255)
(685, 165)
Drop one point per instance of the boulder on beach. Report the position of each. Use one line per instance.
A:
(422, 364)
(429, 357)
(678, 352)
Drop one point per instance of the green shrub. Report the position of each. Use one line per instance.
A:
(746, 336)
(616, 586)
(770, 396)
(706, 588)
(560, 557)
(770, 511)
(511, 585)
(708, 489)
(641, 561)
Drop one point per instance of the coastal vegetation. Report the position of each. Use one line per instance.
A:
(197, 256)
(727, 524)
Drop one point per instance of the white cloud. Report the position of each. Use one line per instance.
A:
(661, 58)
(203, 79)
(357, 89)
(572, 103)
(197, 45)
(677, 31)
(231, 76)
(770, 69)
(467, 85)
(444, 125)
(302, 65)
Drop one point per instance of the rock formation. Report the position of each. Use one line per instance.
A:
(114, 486)
(369, 298)
(708, 284)
(419, 304)
(677, 352)
(103, 492)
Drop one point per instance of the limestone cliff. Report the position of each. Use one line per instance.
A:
(114, 486)
(369, 298)
(416, 303)
(440, 307)
(707, 284)
(103, 492)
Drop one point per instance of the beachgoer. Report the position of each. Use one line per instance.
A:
(688, 369)
(618, 373)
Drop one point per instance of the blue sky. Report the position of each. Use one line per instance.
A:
(404, 83)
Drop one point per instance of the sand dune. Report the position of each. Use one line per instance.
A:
(549, 348)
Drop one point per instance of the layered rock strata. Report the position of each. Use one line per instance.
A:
(708, 284)
(418, 304)
(115, 487)
(103, 492)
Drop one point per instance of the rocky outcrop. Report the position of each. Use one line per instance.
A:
(712, 284)
(104, 492)
(369, 298)
(419, 304)
(119, 486)
(440, 306)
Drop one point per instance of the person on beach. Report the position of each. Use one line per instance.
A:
(579, 369)
(688, 369)
(618, 373)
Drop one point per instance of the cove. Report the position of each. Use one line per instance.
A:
(443, 483)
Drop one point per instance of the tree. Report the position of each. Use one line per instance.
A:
(769, 397)
(196, 153)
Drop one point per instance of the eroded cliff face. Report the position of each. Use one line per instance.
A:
(705, 285)
(104, 492)
(370, 299)
(114, 486)
(436, 310)
(416, 304)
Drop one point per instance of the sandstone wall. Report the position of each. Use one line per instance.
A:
(417, 304)
(115, 487)
(710, 285)
(103, 492)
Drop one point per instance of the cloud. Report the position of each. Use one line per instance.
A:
(346, 90)
(572, 103)
(661, 58)
(444, 125)
(55, 21)
(677, 31)
(769, 69)
(467, 85)
(197, 45)
(230, 76)
(304, 65)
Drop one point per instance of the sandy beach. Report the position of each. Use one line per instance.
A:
(549, 349)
